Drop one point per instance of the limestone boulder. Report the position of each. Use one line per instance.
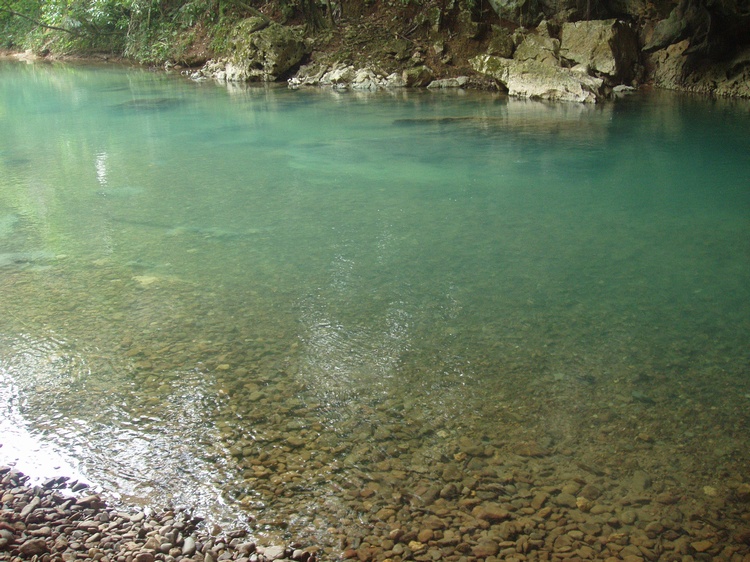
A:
(501, 43)
(608, 48)
(263, 51)
(730, 78)
(444, 83)
(417, 77)
(342, 76)
(522, 11)
(539, 48)
(539, 80)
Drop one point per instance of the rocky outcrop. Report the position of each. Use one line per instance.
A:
(539, 80)
(579, 62)
(446, 83)
(607, 48)
(343, 76)
(716, 29)
(671, 69)
(501, 43)
(417, 77)
(263, 51)
(540, 48)
(702, 46)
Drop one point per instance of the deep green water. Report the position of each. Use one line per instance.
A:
(197, 282)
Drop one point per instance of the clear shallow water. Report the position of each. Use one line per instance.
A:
(306, 306)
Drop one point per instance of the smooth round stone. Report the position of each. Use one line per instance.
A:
(565, 499)
(628, 517)
(188, 547)
(485, 548)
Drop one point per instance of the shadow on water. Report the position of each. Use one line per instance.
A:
(149, 104)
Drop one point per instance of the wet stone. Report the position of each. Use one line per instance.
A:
(485, 548)
(640, 482)
(33, 547)
(628, 517)
(188, 547)
(590, 492)
(701, 546)
(539, 500)
(565, 500)
(452, 472)
(274, 552)
(98, 533)
(491, 512)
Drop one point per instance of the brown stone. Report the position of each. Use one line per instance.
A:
(451, 472)
(485, 548)
(434, 522)
(539, 500)
(491, 512)
(667, 498)
(531, 449)
(90, 501)
(743, 492)
(701, 546)
(590, 492)
(33, 546)
(743, 536)
(364, 554)
(385, 513)
(416, 546)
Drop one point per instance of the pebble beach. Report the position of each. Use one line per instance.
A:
(59, 520)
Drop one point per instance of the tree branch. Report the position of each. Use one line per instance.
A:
(32, 20)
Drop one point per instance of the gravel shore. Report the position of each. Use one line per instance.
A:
(62, 520)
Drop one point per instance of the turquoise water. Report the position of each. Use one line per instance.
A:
(263, 302)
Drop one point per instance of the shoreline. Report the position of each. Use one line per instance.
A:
(62, 520)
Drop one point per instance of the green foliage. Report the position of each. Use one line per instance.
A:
(147, 30)
(14, 29)
(221, 34)
(190, 13)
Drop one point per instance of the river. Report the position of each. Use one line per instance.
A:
(328, 315)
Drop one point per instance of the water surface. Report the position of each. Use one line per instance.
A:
(305, 307)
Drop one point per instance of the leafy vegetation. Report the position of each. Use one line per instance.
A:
(145, 30)
(183, 31)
